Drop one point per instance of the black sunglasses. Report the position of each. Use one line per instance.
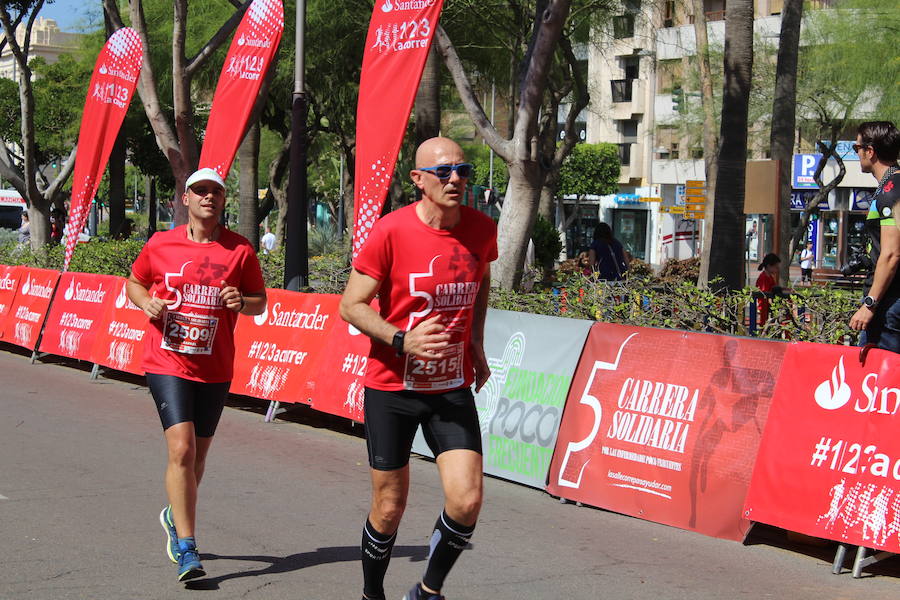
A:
(858, 147)
(464, 170)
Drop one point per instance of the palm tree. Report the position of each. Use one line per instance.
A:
(726, 245)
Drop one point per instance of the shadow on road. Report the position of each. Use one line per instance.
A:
(295, 562)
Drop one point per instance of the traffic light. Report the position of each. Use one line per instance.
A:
(678, 100)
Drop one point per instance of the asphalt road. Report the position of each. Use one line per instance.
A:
(282, 507)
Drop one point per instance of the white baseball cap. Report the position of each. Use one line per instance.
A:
(205, 174)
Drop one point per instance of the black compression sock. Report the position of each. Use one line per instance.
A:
(376, 555)
(447, 543)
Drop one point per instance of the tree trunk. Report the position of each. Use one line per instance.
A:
(116, 198)
(151, 202)
(710, 139)
(726, 244)
(428, 99)
(784, 118)
(248, 155)
(516, 222)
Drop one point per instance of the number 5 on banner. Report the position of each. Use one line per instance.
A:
(594, 403)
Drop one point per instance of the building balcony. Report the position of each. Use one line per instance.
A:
(676, 171)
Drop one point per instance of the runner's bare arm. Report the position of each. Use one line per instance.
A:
(479, 313)
(139, 294)
(247, 303)
(885, 271)
(425, 339)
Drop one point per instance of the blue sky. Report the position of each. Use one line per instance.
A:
(74, 15)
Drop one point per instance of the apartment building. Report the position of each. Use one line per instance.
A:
(47, 41)
(639, 76)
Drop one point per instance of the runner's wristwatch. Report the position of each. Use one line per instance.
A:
(397, 342)
(870, 302)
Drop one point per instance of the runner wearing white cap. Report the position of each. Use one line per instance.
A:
(192, 281)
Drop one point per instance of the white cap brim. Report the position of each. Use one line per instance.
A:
(205, 174)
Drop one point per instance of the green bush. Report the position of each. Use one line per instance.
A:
(671, 300)
(547, 244)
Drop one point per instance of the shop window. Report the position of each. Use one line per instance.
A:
(831, 226)
(630, 228)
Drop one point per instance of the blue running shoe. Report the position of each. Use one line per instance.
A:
(417, 593)
(168, 523)
(189, 566)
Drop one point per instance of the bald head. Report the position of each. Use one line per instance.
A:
(438, 151)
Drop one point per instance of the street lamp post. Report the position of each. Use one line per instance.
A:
(296, 256)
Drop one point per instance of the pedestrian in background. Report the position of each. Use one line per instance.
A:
(807, 261)
(24, 230)
(267, 241)
(767, 283)
(607, 255)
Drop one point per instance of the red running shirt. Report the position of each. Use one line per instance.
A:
(765, 283)
(194, 338)
(424, 271)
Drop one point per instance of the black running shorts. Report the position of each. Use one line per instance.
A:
(449, 422)
(184, 400)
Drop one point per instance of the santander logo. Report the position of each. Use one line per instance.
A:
(70, 291)
(120, 299)
(260, 319)
(387, 6)
(835, 393)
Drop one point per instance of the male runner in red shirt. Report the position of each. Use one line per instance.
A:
(192, 281)
(429, 265)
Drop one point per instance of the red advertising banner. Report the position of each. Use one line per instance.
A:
(119, 341)
(111, 88)
(249, 57)
(275, 351)
(76, 313)
(9, 276)
(829, 463)
(340, 372)
(29, 306)
(664, 425)
(397, 44)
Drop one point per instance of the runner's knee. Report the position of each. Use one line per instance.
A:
(465, 505)
(182, 452)
(387, 510)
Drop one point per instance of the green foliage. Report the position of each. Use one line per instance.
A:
(590, 169)
(10, 117)
(110, 258)
(324, 240)
(59, 92)
(848, 65)
(680, 304)
(480, 156)
(547, 244)
(673, 301)
(272, 265)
